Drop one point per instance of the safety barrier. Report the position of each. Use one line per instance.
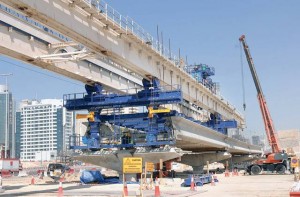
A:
(295, 190)
(227, 173)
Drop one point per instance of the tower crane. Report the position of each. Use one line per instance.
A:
(277, 160)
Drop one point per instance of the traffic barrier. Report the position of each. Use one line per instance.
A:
(125, 189)
(150, 184)
(71, 171)
(157, 191)
(22, 173)
(192, 187)
(235, 172)
(1, 189)
(32, 181)
(294, 194)
(60, 189)
(295, 190)
(5, 173)
(212, 183)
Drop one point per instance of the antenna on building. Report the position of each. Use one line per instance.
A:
(170, 48)
(162, 43)
(158, 44)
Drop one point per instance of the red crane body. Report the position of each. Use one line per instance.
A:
(277, 158)
(269, 127)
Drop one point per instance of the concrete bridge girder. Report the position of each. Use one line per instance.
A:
(126, 50)
(199, 160)
(114, 159)
(18, 45)
(243, 158)
(194, 137)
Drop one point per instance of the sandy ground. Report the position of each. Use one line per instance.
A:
(260, 186)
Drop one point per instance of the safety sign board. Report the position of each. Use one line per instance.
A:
(149, 166)
(132, 164)
(294, 162)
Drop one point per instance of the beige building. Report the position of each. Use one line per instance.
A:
(290, 139)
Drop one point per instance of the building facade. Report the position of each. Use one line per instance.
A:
(256, 140)
(43, 127)
(290, 140)
(7, 122)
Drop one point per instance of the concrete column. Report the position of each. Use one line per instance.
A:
(197, 161)
(160, 168)
(198, 169)
(238, 159)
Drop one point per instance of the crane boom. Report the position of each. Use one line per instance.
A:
(269, 127)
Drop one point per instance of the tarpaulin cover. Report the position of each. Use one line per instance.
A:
(95, 176)
(198, 180)
(89, 176)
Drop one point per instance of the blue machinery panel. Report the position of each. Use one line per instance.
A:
(131, 130)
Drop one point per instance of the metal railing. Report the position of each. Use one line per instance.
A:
(130, 26)
(125, 23)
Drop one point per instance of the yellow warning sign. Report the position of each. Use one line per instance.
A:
(294, 162)
(149, 166)
(132, 164)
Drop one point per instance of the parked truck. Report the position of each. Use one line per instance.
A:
(10, 166)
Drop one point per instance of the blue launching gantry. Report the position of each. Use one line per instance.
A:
(125, 130)
(202, 73)
(216, 123)
(117, 130)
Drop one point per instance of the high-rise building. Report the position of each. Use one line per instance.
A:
(43, 128)
(256, 140)
(7, 122)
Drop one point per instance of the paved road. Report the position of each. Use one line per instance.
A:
(237, 186)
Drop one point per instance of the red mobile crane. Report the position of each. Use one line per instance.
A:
(277, 160)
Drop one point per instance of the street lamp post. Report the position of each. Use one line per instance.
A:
(65, 142)
(6, 111)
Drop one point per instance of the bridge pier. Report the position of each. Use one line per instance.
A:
(243, 158)
(238, 159)
(199, 160)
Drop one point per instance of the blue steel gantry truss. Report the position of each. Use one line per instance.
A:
(118, 130)
(125, 130)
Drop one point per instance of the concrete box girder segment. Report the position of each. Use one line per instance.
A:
(103, 36)
(199, 160)
(16, 43)
(19, 45)
(192, 136)
(112, 159)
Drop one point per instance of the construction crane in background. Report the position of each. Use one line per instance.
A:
(277, 160)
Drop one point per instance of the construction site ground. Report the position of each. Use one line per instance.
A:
(260, 185)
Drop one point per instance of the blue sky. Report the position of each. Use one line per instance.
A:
(207, 31)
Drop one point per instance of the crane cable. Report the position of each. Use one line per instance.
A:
(243, 79)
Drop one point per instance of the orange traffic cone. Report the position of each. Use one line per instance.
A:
(125, 189)
(237, 172)
(60, 189)
(226, 173)
(32, 180)
(192, 188)
(157, 191)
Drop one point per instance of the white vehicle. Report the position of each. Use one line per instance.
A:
(10, 166)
